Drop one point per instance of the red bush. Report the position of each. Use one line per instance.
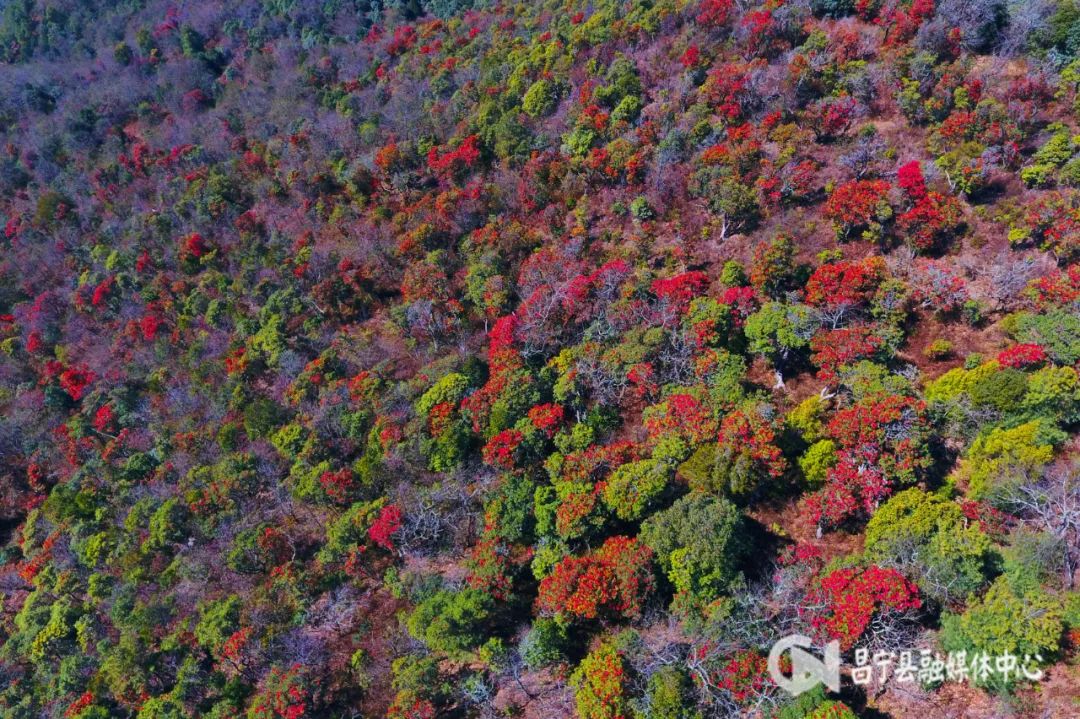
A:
(742, 299)
(680, 289)
(612, 581)
(407, 706)
(682, 414)
(500, 449)
(1052, 222)
(745, 675)
(849, 488)
(404, 38)
(691, 57)
(931, 222)
(842, 606)
(502, 333)
(1057, 288)
(1022, 355)
(857, 204)
(845, 283)
(547, 418)
(641, 379)
(832, 117)
(149, 326)
(910, 179)
(76, 707)
(193, 246)
(750, 433)
(490, 568)
(882, 443)
(340, 485)
(75, 380)
(464, 156)
(104, 418)
(834, 349)
(101, 292)
(713, 13)
(889, 430)
(286, 694)
(385, 526)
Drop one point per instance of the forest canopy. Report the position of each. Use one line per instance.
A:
(461, 358)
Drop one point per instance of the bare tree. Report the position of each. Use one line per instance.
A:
(1007, 277)
(1050, 504)
(1027, 18)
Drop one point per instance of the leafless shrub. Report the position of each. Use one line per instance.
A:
(1051, 504)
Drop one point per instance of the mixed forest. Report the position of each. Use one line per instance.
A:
(498, 358)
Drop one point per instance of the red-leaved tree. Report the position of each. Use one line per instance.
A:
(613, 581)
(847, 603)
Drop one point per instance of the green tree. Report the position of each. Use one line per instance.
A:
(1054, 393)
(736, 203)
(635, 487)
(448, 390)
(930, 539)
(168, 524)
(348, 531)
(817, 460)
(699, 543)
(545, 643)
(217, 622)
(162, 708)
(601, 684)
(540, 99)
(670, 695)
(1057, 331)
(1027, 624)
(776, 331)
(451, 621)
(808, 418)
(1001, 454)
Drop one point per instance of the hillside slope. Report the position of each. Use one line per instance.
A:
(419, 359)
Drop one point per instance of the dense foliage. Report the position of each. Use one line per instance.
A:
(420, 358)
